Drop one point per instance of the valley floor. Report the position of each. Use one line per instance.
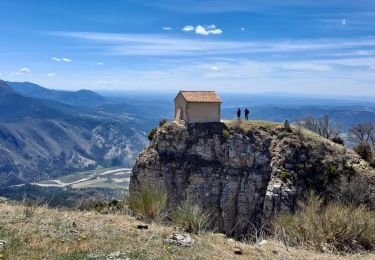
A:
(42, 233)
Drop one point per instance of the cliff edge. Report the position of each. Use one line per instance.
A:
(243, 173)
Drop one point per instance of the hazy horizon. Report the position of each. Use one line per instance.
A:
(144, 92)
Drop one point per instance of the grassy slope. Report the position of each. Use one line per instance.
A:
(51, 234)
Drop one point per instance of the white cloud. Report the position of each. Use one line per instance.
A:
(188, 28)
(24, 71)
(343, 22)
(214, 68)
(167, 28)
(162, 45)
(238, 74)
(201, 30)
(211, 29)
(100, 63)
(215, 31)
(311, 66)
(51, 74)
(61, 59)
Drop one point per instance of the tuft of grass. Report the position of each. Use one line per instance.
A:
(333, 227)
(152, 134)
(30, 206)
(287, 176)
(237, 125)
(148, 203)
(163, 122)
(191, 217)
(225, 133)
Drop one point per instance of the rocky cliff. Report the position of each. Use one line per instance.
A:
(242, 172)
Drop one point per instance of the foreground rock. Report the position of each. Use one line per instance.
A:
(117, 256)
(2, 245)
(183, 240)
(242, 173)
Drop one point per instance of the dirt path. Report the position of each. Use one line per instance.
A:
(59, 183)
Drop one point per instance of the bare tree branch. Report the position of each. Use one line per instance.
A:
(322, 126)
(363, 133)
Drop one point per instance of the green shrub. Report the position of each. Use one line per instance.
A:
(285, 176)
(163, 122)
(225, 133)
(364, 150)
(152, 134)
(338, 140)
(190, 217)
(100, 206)
(331, 173)
(287, 126)
(372, 160)
(333, 227)
(148, 203)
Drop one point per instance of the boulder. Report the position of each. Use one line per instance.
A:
(183, 240)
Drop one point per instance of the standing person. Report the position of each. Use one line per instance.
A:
(247, 114)
(238, 113)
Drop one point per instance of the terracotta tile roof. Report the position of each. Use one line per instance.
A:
(201, 96)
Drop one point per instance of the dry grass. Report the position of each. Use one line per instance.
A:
(247, 125)
(191, 217)
(250, 124)
(333, 227)
(149, 203)
(275, 126)
(60, 234)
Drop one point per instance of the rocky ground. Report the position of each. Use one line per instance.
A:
(245, 172)
(43, 233)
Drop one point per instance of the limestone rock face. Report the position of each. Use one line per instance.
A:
(241, 179)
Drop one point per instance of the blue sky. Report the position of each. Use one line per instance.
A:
(298, 46)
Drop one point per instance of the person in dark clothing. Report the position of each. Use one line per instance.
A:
(238, 113)
(247, 114)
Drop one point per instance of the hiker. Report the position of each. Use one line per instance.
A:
(238, 113)
(247, 114)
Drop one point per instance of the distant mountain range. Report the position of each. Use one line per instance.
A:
(42, 138)
(81, 97)
(48, 133)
